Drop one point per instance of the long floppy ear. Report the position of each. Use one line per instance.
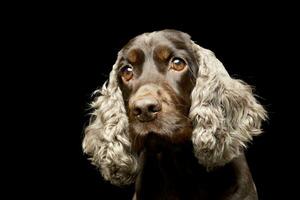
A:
(224, 111)
(106, 137)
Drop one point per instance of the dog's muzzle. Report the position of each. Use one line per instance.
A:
(145, 105)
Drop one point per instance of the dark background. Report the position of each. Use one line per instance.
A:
(66, 52)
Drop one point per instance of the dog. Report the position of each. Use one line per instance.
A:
(171, 120)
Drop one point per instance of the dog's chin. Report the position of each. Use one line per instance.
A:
(154, 136)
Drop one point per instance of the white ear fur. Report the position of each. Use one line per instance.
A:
(106, 137)
(224, 111)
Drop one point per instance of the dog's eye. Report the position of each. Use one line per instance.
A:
(127, 72)
(177, 64)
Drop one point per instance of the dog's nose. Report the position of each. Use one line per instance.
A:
(146, 109)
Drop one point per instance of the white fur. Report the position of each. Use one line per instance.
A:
(225, 113)
(106, 138)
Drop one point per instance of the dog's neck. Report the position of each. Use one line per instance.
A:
(165, 169)
(171, 171)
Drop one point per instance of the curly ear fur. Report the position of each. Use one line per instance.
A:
(224, 111)
(106, 137)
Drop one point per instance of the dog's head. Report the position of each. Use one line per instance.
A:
(164, 84)
(156, 74)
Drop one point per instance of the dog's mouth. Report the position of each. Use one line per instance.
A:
(153, 143)
(156, 136)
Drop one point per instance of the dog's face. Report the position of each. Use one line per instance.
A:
(156, 74)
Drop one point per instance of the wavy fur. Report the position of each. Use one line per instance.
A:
(106, 137)
(225, 113)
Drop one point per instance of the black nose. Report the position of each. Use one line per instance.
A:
(146, 109)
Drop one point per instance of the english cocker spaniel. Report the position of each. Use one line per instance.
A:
(171, 120)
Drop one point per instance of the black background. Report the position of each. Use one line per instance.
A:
(66, 52)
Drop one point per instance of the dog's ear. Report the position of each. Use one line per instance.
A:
(224, 111)
(106, 137)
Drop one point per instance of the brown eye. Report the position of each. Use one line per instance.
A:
(127, 72)
(177, 64)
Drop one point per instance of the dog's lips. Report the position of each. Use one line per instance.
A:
(155, 136)
(145, 128)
